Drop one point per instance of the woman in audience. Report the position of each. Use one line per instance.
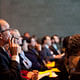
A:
(73, 49)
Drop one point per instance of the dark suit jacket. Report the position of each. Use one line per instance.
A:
(54, 50)
(9, 70)
(32, 55)
(46, 54)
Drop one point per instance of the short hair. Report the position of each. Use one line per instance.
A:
(32, 37)
(66, 41)
(52, 37)
(74, 44)
(43, 39)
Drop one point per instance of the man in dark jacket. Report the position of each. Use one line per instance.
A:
(9, 67)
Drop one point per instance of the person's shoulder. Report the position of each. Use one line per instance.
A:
(1, 55)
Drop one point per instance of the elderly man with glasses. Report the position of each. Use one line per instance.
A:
(9, 66)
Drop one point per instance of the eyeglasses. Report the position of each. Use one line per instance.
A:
(14, 37)
(5, 30)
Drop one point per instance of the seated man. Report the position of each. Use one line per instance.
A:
(55, 47)
(46, 52)
(25, 63)
(9, 66)
(49, 56)
(33, 55)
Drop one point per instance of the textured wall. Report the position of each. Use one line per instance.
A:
(41, 17)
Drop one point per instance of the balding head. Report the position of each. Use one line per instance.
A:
(3, 25)
(4, 32)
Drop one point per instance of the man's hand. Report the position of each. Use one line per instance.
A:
(15, 49)
(30, 74)
(33, 75)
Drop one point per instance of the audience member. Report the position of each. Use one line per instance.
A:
(9, 67)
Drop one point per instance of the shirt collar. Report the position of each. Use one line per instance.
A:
(46, 46)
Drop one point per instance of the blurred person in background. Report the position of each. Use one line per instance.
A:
(34, 56)
(24, 61)
(73, 51)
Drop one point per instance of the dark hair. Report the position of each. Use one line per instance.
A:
(74, 44)
(43, 39)
(66, 42)
(32, 37)
(52, 37)
(25, 38)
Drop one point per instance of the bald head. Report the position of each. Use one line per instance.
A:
(3, 25)
(4, 32)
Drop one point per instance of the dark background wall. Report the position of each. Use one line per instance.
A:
(42, 17)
